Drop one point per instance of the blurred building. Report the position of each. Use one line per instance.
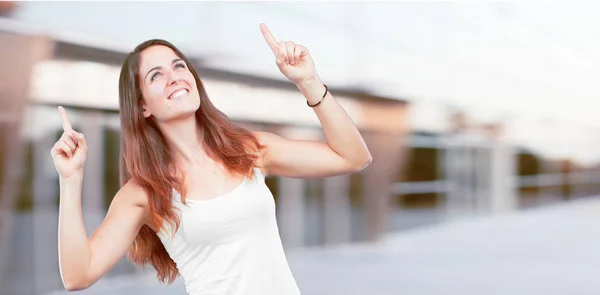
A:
(431, 164)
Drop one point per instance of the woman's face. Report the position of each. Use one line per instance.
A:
(168, 87)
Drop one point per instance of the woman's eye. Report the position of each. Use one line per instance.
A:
(179, 65)
(154, 76)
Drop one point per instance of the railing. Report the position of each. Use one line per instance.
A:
(500, 183)
(528, 181)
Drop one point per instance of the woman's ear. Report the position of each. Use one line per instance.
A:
(145, 111)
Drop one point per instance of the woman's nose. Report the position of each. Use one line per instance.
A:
(173, 77)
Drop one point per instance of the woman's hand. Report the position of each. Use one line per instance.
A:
(293, 60)
(69, 152)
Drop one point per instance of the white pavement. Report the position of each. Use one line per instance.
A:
(552, 250)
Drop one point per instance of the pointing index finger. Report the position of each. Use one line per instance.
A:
(64, 119)
(269, 38)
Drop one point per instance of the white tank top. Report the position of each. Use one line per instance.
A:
(230, 245)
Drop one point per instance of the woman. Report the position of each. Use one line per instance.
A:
(193, 199)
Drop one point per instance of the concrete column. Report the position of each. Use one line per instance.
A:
(499, 186)
(91, 125)
(290, 211)
(388, 151)
(19, 55)
(502, 162)
(504, 192)
(484, 177)
(45, 217)
(16, 230)
(291, 207)
(337, 209)
(459, 164)
(497, 179)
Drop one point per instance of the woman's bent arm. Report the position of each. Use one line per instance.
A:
(84, 261)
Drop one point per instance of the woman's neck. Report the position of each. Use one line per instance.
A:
(185, 139)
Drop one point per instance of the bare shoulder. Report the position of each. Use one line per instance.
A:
(131, 197)
(132, 193)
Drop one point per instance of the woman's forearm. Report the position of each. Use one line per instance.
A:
(73, 245)
(342, 135)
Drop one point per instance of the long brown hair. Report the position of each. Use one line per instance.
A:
(146, 158)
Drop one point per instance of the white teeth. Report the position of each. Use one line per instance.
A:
(178, 93)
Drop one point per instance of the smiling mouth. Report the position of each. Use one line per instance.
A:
(178, 93)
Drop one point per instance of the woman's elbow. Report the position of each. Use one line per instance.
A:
(74, 287)
(363, 163)
(75, 284)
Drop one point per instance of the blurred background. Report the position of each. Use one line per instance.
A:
(481, 118)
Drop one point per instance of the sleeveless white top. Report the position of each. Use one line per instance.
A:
(230, 245)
